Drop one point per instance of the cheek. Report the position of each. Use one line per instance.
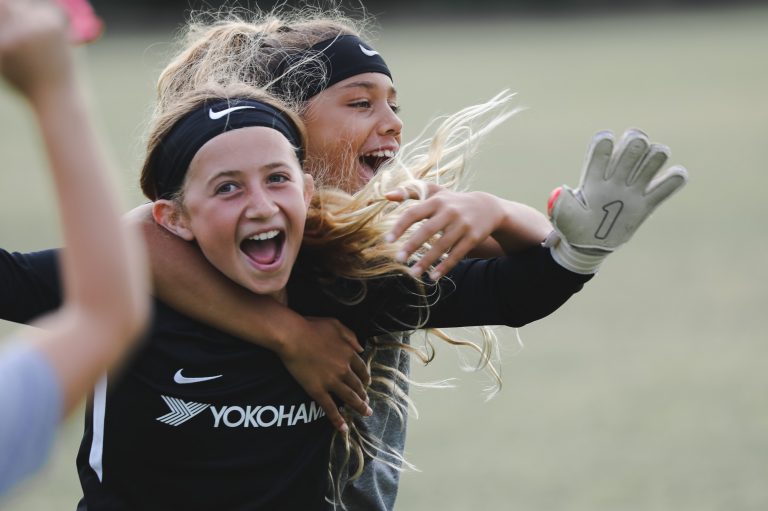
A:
(336, 135)
(210, 222)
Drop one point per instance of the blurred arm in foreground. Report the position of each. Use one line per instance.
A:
(45, 373)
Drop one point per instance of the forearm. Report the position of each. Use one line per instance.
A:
(513, 290)
(519, 227)
(99, 249)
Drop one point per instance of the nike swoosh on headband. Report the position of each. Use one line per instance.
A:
(179, 378)
(218, 115)
(368, 52)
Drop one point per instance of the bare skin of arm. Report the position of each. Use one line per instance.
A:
(105, 282)
(329, 364)
(486, 225)
(474, 224)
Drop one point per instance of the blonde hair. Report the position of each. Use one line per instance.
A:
(344, 232)
(346, 235)
(236, 46)
(249, 47)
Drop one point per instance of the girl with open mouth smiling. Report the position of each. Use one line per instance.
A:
(346, 96)
(200, 419)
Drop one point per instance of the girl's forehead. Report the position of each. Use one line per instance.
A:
(373, 82)
(251, 148)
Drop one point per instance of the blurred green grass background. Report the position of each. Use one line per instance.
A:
(649, 390)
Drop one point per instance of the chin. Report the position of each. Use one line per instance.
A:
(274, 288)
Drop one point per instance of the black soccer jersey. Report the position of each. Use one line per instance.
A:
(200, 420)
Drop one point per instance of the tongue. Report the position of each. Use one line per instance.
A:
(263, 252)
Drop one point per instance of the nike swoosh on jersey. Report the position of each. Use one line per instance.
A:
(218, 115)
(179, 378)
(368, 52)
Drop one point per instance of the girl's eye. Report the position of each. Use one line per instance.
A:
(363, 103)
(395, 108)
(277, 178)
(225, 188)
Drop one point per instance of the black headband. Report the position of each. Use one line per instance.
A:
(172, 156)
(310, 72)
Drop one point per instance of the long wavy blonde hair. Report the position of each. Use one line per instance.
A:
(345, 232)
(348, 233)
(235, 45)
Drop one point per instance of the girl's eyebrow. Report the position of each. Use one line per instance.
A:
(237, 173)
(224, 173)
(370, 86)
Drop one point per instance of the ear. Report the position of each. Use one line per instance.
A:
(168, 214)
(309, 188)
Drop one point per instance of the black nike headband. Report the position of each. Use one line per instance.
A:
(310, 72)
(171, 158)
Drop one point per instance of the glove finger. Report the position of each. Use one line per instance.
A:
(567, 195)
(665, 185)
(552, 199)
(570, 216)
(597, 158)
(656, 157)
(632, 148)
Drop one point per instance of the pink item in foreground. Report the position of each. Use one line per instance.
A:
(85, 26)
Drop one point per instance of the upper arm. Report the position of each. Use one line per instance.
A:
(29, 285)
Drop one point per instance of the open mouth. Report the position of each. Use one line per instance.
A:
(373, 161)
(264, 249)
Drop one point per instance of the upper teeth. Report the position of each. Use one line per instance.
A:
(388, 153)
(264, 235)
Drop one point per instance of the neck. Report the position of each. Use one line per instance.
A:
(280, 296)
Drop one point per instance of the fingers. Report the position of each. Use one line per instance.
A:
(85, 26)
(456, 240)
(655, 159)
(598, 158)
(416, 190)
(665, 185)
(352, 400)
(353, 383)
(331, 411)
(456, 254)
(3, 11)
(361, 371)
(415, 214)
(349, 336)
(632, 148)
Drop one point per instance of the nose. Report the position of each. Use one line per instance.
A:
(260, 205)
(390, 123)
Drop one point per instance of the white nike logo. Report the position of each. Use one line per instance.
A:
(218, 115)
(179, 378)
(368, 52)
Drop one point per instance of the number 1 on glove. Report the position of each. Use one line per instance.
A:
(621, 185)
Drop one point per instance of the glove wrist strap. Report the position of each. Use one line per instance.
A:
(572, 258)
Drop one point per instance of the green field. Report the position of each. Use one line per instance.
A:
(649, 390)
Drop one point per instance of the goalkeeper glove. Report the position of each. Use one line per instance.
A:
(620, 187)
